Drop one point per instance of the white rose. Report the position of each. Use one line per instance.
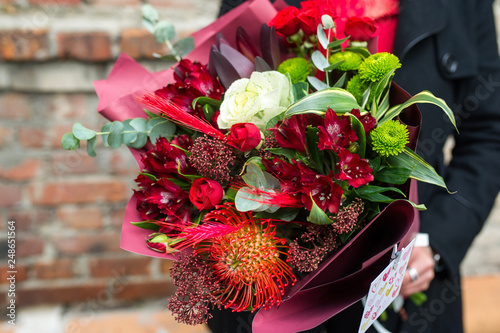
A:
(255, 100)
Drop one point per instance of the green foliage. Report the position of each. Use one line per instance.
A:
(133, 133)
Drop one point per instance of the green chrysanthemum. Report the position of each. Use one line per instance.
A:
(376, 66)
(389, 138)
(357, 87)
(351, 60)
(298, 69)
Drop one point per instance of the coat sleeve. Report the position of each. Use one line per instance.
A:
(453, 221)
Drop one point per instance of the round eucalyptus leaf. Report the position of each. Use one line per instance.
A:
(164, 31)
(70, 142)
(82, 133)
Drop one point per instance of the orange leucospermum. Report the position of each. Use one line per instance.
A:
(248, 260)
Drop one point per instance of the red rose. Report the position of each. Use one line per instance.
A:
(205, 193)
(309, 20)
(360, 28)
(244, 136)
(285, 22)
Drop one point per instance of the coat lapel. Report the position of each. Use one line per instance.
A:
(421, 18)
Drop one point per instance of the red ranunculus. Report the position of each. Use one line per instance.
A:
(286, 22)
(244, 136)
(360, 28)
(205, 193)
(309, 20)
(354, 169)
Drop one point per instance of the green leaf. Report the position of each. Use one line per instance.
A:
(378, 90)
(357, 126)
(150, 176)
(255, 177)
(319, 60)
(312, 140)
(141, 136)
(421, 170)
(317, 83)
(184, 46)
(70, 142)
(300, 90)
(150, 26)
(203, 100)
(164, 31)
(340, 83)
(105, 133)
(287, 152)
(393, 175)
(160, 127)
(284, 214)
(338, 99)
(420, 207)
(82, 133)
(182, 184)
(129, 135)
(422, 97)
(115, 137)
(337, 43)
(323, 40)
(149, 13)
(333, 66)
(139, 124)
(372, 189)
(317, 215)
(360, 50)
(91, 146)
(147, 225)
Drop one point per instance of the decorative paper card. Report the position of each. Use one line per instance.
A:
(385, 288)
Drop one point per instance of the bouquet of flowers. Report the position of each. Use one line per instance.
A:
(279, 173)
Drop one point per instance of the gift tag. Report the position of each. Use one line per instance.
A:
(385, 288)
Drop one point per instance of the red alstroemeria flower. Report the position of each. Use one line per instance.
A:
(354, 169)
(291, 133)
(293, 176)
(325, 193)
(286, 22)
(196, 75)
(164, 160)
(336, 133)
(367, 120)
(360, 28)
(181, 95)
(167, 196)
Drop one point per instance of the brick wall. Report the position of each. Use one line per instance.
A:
(69, 207)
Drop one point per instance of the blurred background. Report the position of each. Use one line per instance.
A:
(68, 207)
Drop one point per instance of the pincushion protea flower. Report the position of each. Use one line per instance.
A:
(247, 259)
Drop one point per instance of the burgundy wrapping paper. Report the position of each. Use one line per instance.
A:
(341, 280)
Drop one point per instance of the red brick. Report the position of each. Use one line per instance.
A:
(25, 170)
(31, 137)
(117, 217)
(115, 2)
(146, 289)
(84, 191)
(80, 217)
(29, 246)
(57, 294)
(14, 106)
(57, 269)
(30, 219)
(107, 241)
(139, 43)
(24, 45)
(165, 265)
(6, 136)
(68, 106)
(55, 2)
(10, 195)
(126, 266)
(86, 46)
(123, 163)
(21, 273)
(74, 162)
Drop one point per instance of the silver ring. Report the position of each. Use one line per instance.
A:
(412, 272)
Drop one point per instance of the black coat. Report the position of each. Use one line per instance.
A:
(449, 48)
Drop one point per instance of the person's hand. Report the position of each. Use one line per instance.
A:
(422, 263)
